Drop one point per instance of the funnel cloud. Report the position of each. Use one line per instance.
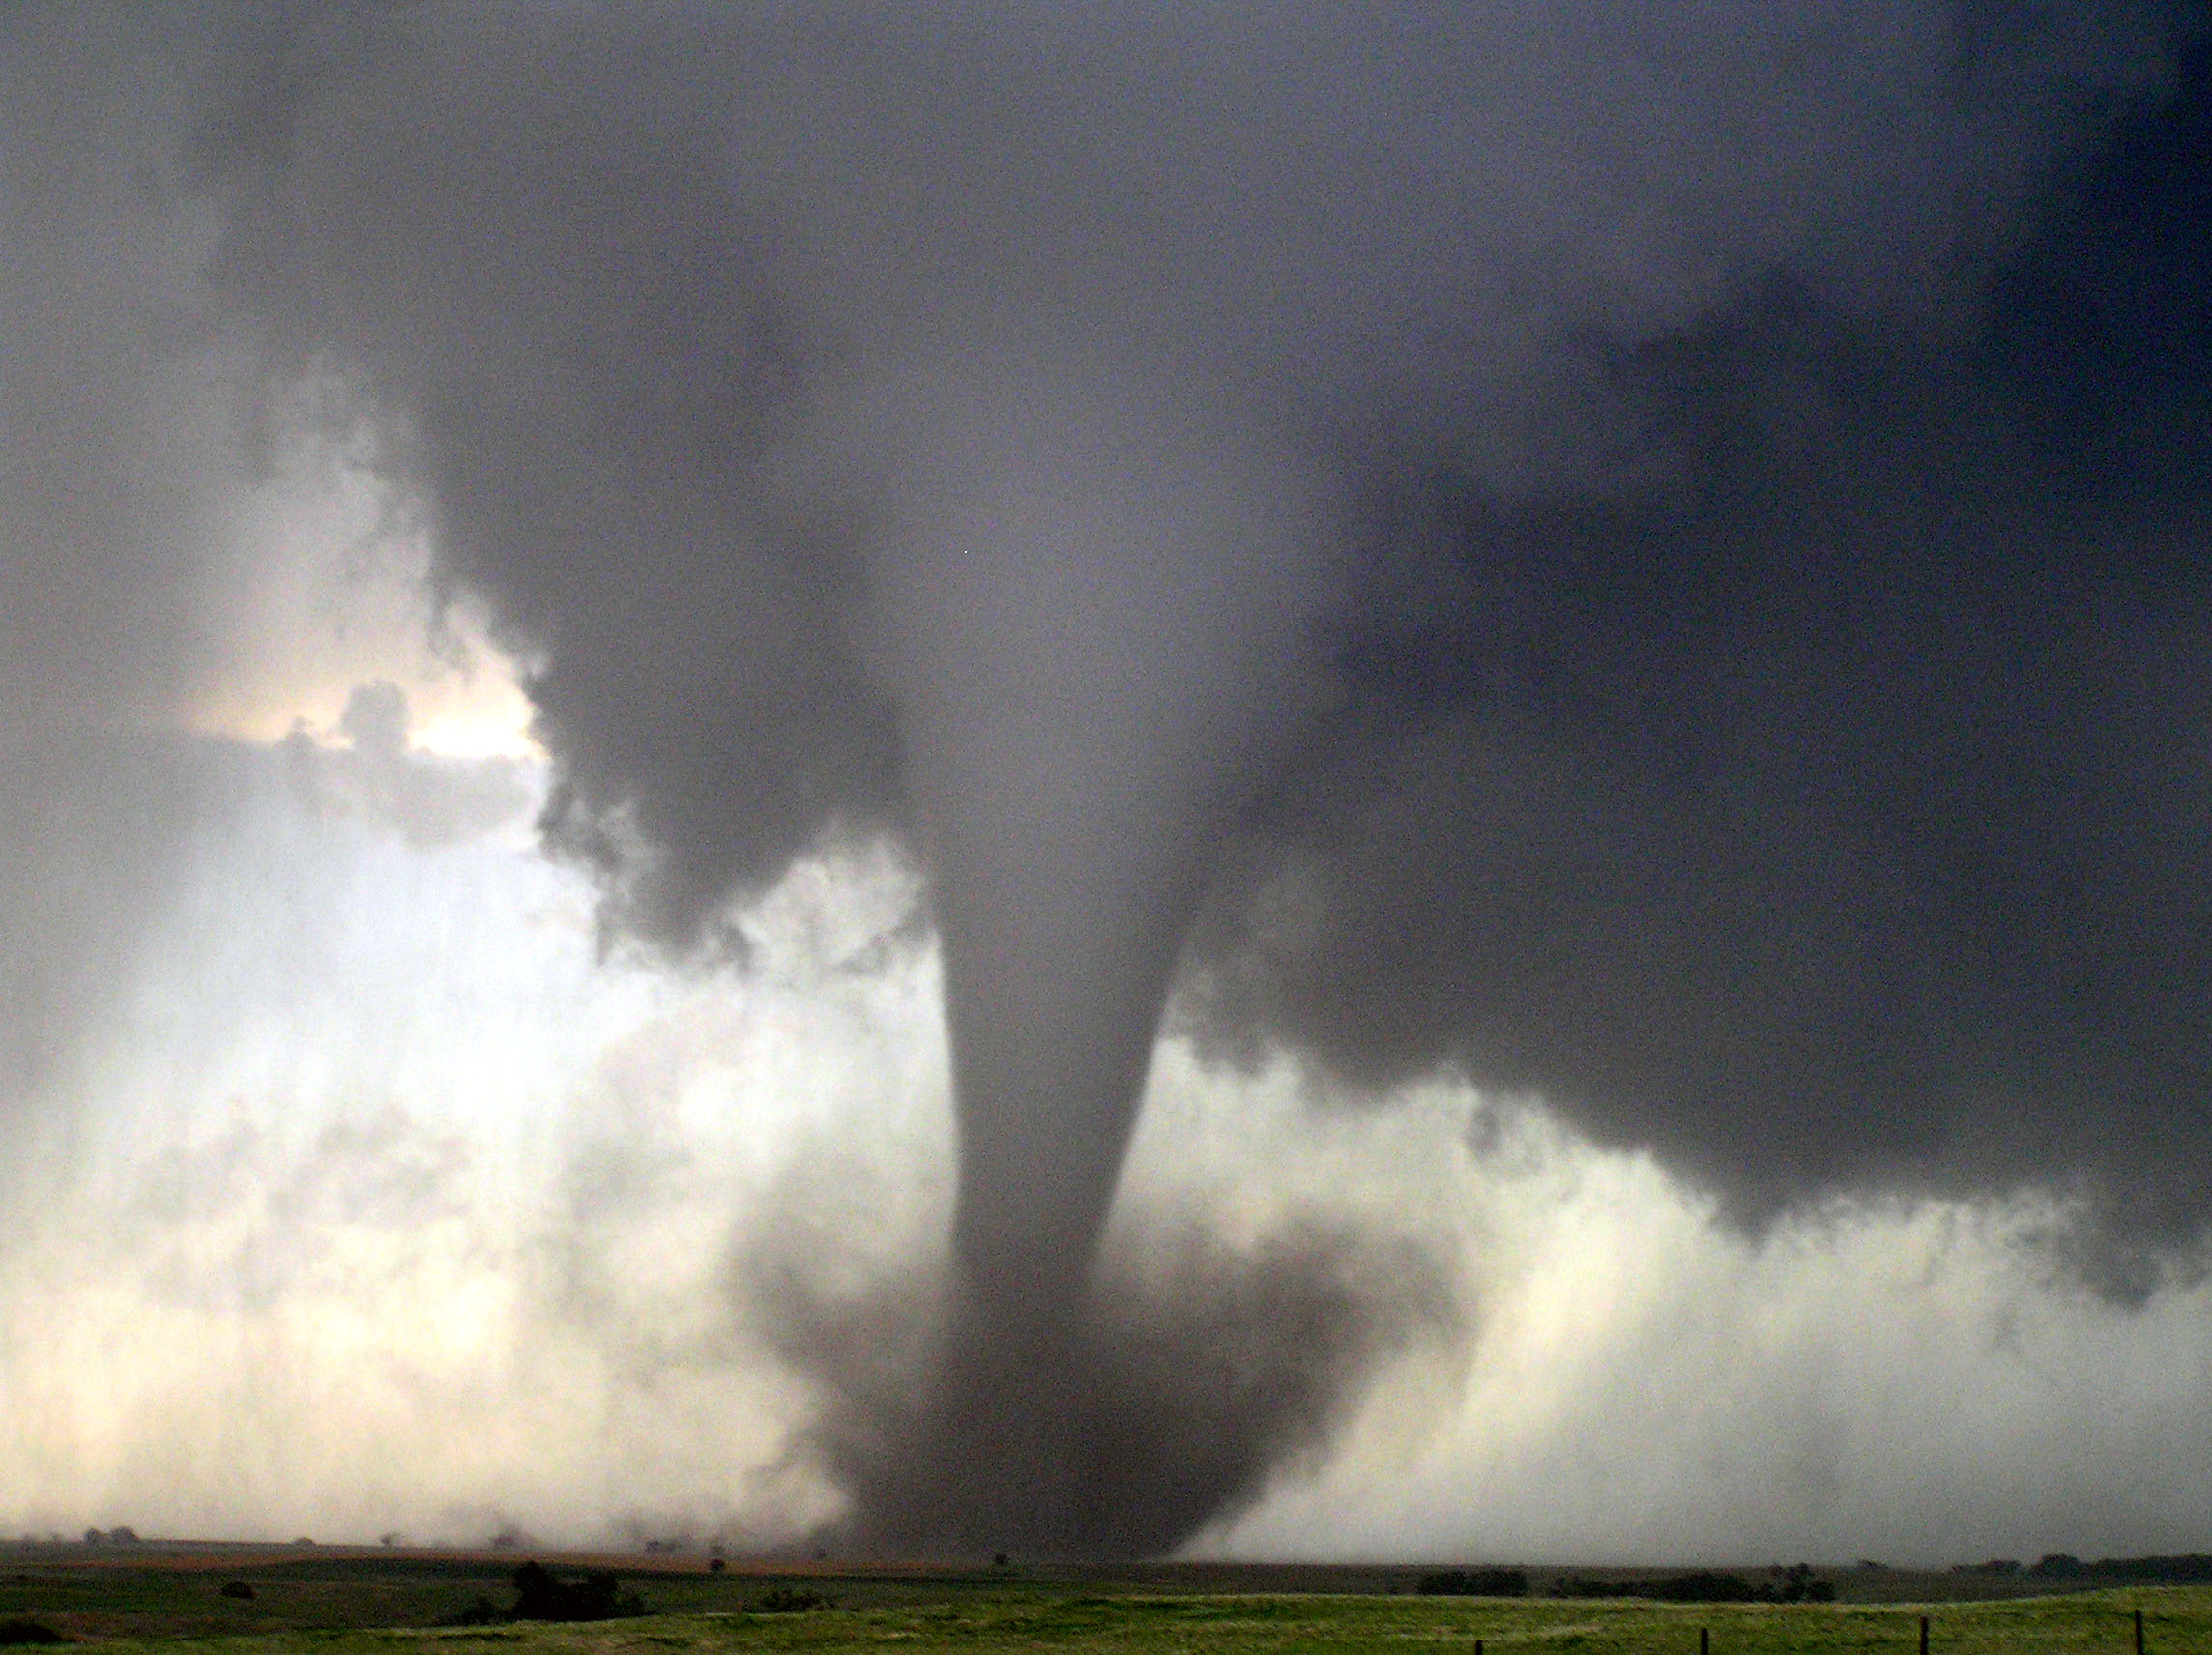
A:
(1647, 560)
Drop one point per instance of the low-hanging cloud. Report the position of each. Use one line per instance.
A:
(1519, 537)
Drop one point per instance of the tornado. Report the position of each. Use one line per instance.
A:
(967, 425)
(1095, 595)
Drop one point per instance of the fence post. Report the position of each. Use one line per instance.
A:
(1705, 1641)
(2139, 1633)
(1923, 1634)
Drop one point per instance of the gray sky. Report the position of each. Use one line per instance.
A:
(1598, 610)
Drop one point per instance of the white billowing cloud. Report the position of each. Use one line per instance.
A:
(1913, 1384)
(388, 1205)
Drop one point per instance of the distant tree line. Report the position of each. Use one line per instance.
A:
(2188, 1566)
(2065, 1566)
(1706, 1586)
(1796, 1584)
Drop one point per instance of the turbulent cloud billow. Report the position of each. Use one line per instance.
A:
(1647, 557)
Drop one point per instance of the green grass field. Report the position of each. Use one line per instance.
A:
(364, 1606)
(2177, 1620)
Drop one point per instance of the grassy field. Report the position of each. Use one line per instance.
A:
(367, 1605)
(2177, 1620)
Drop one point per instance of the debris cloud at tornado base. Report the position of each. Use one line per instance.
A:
(1531, 543)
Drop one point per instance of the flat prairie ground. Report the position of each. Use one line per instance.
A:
(2175, 1620)
(332, 1606)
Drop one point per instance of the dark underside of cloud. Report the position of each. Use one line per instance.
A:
(1833, 807)
(1660, 565)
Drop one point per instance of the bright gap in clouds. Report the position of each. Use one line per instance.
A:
(329, 590)
(386, 1204)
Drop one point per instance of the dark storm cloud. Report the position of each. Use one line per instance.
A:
(978, 423)
(108, 417)
(554, 293)
(102, 520)
(1835, 804)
